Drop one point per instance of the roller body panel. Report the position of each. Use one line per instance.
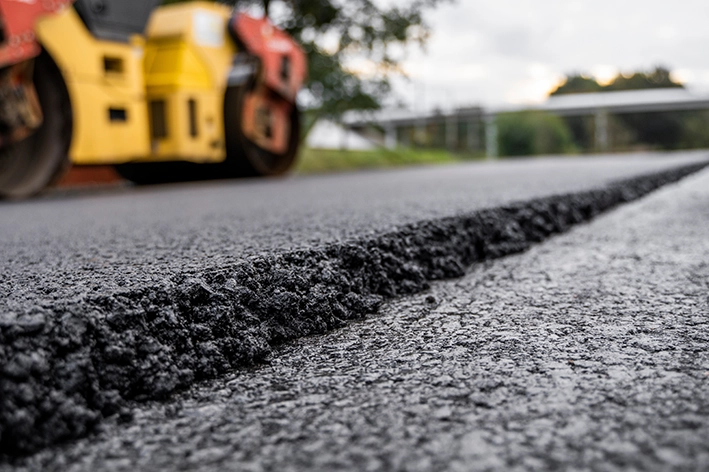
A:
(193, 84)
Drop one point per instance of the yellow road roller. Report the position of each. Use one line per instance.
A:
(170, 93)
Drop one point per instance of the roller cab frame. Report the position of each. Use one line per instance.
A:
(180, 92)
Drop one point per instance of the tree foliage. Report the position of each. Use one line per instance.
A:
(332, 32)
(532, 133)
(656, 78)
(578, 83)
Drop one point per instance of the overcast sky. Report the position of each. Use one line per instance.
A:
(515, 51)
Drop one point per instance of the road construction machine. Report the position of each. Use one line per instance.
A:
(164, 93)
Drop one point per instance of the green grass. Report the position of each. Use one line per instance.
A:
(332, 160)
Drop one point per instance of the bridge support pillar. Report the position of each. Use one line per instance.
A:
(390, 141)
(452, 132)
(491, 148)
(602, 134)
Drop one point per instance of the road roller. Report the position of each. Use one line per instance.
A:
(186, 91)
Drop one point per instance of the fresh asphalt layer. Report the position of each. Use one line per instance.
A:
(587, 352)
(133, 236)
(118, 299)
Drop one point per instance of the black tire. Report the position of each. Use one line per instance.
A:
(243, 157)
(31, 165)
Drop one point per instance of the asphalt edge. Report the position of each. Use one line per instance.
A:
(64, 369)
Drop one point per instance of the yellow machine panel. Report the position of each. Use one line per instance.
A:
(188, 56)
(107, 90)
(157, 99)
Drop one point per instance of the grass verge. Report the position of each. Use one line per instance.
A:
(313, 161)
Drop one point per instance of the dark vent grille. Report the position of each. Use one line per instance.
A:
(192, 105)
(113, 65)
(117, 115)
(158, 119)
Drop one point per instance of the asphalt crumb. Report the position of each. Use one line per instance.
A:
(67, 366)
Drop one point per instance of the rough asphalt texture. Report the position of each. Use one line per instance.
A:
(68, 363)
(74, 245)
(588, 352)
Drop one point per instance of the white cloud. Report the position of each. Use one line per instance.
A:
(517, 50)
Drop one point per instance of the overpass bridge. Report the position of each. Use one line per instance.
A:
(474, 129)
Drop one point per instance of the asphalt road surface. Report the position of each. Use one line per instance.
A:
(588, 350)
(131, 237)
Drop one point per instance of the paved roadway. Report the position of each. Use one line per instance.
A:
(71, 244)
(589, 350)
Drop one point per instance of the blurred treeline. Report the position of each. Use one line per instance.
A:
(533, 133)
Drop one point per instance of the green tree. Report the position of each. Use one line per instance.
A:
(578, 83)
(353, 28)
(533, 133)
(659, 77)
(694, 130)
